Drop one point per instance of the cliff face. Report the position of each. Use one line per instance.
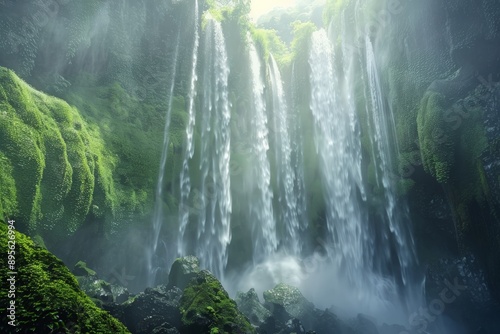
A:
(87, 167)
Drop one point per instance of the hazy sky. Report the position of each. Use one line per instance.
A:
(260, 7)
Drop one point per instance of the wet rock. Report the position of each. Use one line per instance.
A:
(182, 271)
(392, 329)
(250, 305)
(362, 324)
(325, 322)
(291, 299)
(457, 290)
(101, 290)
(156, 309)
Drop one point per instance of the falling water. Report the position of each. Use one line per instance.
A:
(158, 213)
(261, 210)
(340, 160)
(360, 255)
(395, 212)
(286, 178)
(185, 179)
(213, 233)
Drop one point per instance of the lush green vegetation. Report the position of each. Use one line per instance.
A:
(60, 161)
(47, 296)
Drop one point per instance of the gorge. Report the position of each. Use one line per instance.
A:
(347, 148)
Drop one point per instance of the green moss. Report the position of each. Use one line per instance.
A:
(333, 9)
(58, 161)
(47, 296)
(269, 42)
(206, 298)
(8, 193)
(436, 138)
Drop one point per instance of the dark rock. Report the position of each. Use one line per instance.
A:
(325, 322)
(182, 271)
(364, 325)
(392, 329)
(291, 299)
(154, 309)
(295, 326)
(279, 312)
(164, 330)
(249, 304)
(102, 290)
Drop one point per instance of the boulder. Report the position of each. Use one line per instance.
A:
(182, 271)
(102, 291)
(206, 308)
(291, 299)
(156, 310)
(250, 305)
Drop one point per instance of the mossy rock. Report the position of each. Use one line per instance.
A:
(206, 308)
(250, 306)
(290, 298)
(47, 296)
(182, 271)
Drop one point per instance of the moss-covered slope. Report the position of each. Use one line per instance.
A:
(55, 169)
(47, 296)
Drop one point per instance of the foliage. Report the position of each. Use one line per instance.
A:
(270, 43)
(302, 32)
(47, 296)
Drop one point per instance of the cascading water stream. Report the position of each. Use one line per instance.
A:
(261, 209)
(214, 234)
(362, 256)
(367, 254)
(286, 177)
(340, 161)
(185, 180)
(158, 213)
(396, 212)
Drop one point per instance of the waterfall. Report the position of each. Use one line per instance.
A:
(213, 233)
(361, 232)
(396, 215)
(338, 148)
(158, 213)
(362, 248)
(185, 180)
(288, 197)
(261, 209)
